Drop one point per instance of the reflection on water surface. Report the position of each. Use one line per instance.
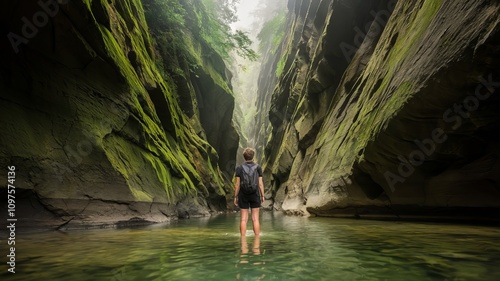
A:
(290, 248)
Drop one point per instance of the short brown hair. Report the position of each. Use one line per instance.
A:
(248, 153)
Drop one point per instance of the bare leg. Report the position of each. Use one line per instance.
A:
(243, 221)
(244, 245)
(255, 221)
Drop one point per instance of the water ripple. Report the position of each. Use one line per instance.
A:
(290, 248)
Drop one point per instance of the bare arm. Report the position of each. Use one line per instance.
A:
(236, 190)
(261, 187)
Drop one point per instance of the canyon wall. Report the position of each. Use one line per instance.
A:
(97, 125)
(387, 109)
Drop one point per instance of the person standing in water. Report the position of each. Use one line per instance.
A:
(246, 200)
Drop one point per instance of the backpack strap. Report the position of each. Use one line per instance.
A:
(248, 168)
(253, 168)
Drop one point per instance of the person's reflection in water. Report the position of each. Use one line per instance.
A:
(245, 259)
(255, 247)
(244, 249)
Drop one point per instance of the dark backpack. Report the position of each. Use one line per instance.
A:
(250, 179)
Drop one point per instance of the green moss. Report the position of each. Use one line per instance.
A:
(272, 33)
(195, 52)
(281, 66)
(115, 52)
(125, 159)
(155, 164)
(414, 31)
(150, 175)
(379, 105)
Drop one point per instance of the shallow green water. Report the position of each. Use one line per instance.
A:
(291, 248)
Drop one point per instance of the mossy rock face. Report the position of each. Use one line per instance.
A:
(87, 117)
(389, 133)
(202, 82)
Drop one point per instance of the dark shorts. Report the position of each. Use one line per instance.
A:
(249, 201)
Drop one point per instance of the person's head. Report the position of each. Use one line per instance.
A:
(248, 154)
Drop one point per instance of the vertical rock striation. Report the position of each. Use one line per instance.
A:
(388, 109)
(97, 132)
